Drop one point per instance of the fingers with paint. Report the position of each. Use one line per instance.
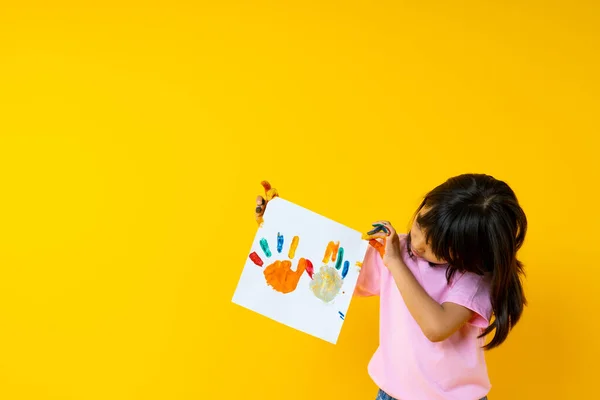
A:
(378, 228)
(261, 202)
(270, 192)
(379, 232)
(380, 247)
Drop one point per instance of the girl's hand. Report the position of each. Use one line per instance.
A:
(385, 238)
(261, 202)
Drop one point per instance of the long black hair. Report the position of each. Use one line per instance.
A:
(475, 223)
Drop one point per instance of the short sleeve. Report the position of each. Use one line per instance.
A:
(369, 279)
(473, 292)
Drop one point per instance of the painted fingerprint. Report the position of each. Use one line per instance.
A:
(331, 252)
(293, 247)
(346, 269)
(256, 259)
(279, 242)
(310, 270)
(264, 245)
(340, 257)
(326, 283)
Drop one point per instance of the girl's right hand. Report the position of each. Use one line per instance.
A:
(261, 202)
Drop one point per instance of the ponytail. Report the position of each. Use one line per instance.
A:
(508, 300)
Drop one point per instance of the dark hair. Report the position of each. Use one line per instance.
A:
(476, 224)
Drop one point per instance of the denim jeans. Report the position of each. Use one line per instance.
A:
(384, 396)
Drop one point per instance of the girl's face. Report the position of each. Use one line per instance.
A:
(419, 247)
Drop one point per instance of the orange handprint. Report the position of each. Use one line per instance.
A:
(279, 274)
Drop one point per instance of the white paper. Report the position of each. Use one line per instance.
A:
(301, 309)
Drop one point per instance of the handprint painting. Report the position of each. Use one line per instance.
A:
(279, 274)
(301, 270)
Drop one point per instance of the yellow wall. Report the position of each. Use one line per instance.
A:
(133, 139)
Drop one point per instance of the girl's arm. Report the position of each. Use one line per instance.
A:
(437, 321)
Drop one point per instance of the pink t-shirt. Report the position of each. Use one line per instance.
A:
(407, 365)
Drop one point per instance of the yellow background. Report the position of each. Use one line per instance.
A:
(134, 135)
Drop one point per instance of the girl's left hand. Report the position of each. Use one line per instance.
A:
(386, 238)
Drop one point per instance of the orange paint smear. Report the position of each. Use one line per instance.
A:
(293, 247)
(359, 264)
(280, 276)
(331, 252)
(378, 246)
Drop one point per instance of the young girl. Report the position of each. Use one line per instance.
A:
(440, 285)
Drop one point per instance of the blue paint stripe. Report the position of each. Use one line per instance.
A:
(279, 242)
(346, 269)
